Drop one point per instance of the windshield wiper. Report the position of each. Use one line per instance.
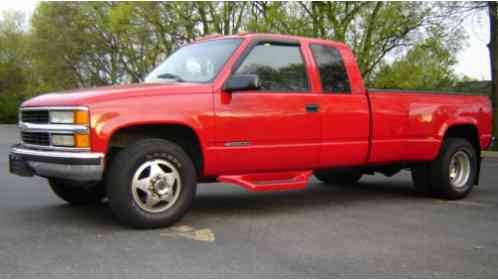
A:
(170, 76)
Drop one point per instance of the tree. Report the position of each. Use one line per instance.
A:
(60, 45)
(373, 30)
(100, 43)
(427, 66)
(16, 75)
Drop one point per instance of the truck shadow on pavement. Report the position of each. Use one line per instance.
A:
(63, 215)
(220, 204)
(314, 196)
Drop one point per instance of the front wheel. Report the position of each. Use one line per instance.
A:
(151, 184)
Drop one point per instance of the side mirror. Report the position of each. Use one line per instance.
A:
(242, 82)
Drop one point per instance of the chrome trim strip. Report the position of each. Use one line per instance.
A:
(54, 148)
(58, 154)
(237, 144)
(66, 165)
(53, 128)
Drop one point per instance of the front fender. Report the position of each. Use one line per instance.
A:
(194, 112)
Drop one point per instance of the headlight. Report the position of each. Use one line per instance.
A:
(62, 117)
(69, 117)
(77, 139)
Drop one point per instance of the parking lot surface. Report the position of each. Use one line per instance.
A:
(380, 228)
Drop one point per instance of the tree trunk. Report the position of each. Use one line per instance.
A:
(493, 55)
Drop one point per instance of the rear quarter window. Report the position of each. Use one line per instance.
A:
(333, 75)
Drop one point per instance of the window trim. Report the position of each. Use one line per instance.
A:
(320, 75)
(260, 41)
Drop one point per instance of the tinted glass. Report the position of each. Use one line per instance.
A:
(332, 71)
(279, 67)
(199, 62)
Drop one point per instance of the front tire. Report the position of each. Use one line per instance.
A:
(151, 184)
(77, 193)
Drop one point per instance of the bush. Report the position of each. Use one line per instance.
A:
(8, 108)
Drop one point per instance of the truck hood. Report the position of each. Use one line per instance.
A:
(90, 96)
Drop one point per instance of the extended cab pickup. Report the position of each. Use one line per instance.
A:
(262, 111)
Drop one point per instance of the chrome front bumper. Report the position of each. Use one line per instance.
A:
(78, 166)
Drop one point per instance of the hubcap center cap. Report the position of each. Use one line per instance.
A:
(160, 185)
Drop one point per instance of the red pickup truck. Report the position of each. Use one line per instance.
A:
(263, 111)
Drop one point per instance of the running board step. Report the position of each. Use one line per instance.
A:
(278, 181)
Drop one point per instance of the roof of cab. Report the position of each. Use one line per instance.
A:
(271, 36)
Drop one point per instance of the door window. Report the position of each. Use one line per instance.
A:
(280, 67)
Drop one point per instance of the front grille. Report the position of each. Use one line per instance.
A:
(35, 116)
(36, 138)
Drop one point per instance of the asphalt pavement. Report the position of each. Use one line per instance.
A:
(380, 228)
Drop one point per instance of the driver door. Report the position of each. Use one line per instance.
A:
(273, 128)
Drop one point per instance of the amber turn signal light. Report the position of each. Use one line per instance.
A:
(81, 117)
(81, 140)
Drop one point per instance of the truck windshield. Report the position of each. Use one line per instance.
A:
(196, 63)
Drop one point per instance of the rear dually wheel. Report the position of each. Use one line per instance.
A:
(453, 174)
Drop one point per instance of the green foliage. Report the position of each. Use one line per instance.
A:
(373, 29)
(15, 66)
(58, 45)
(426, 66)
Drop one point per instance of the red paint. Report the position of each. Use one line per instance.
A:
(269, 181)
(349, 130)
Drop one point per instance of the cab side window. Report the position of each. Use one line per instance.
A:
(280, 67)
(333, 75)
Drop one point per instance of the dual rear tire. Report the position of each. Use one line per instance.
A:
(452, 175)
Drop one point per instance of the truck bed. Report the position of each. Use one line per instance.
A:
(409, 125)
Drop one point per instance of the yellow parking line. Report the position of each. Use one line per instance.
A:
(189, 232)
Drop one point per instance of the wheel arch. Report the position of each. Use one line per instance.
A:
(467, 131)
(179, 133)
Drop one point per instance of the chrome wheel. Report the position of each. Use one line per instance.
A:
(460, 169)
(156, 185)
